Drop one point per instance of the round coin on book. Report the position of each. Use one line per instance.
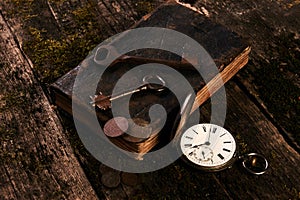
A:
(116, 126)
(133, 127)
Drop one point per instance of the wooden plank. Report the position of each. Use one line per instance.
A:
(272, 75)
(37, 161)
(64, 23)
(254, 133)
(258, 134)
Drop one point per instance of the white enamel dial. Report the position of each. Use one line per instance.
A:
(208, 145)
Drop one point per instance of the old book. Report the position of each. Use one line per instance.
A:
(228, 50)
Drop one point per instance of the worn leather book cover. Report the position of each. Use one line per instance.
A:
(227, 49)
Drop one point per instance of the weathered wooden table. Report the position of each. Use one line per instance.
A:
(41, 159)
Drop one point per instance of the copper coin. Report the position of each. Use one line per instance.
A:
(133, 128)
(111, 179)
(129, 179)
(115, 126)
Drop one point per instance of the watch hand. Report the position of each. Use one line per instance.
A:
(197, 145)
(193, 149)
(206, 153)
(208, 140)
(197, 140)
(210, 155)
(211, 150)
(203, 154)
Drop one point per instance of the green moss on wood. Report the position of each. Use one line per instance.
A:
(22, 8)
(54, 54)
(54, 57)
(144, 7)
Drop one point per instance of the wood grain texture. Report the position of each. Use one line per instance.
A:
(272, 75)
(24, 174)
(254, 133)
(246, 121)
(37, 161)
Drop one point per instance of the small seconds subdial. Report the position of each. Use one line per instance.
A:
(208, 146)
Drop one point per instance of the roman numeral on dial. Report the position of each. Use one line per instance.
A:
(214, 130)
(224, 149)
(220, 156)
(187, 145)
(222, 134)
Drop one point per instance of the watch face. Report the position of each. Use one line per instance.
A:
(208, 146)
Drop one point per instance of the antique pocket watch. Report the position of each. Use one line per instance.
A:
(212, 148)
(209, 147)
